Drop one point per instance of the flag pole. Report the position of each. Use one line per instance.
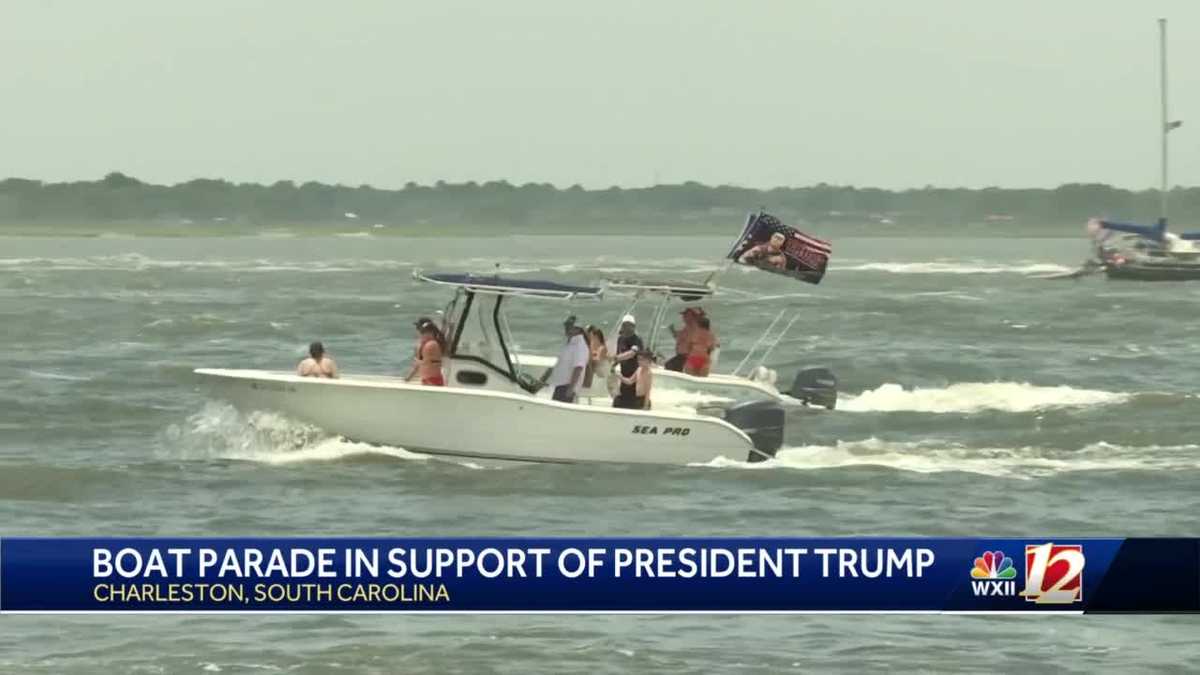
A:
(722, 269)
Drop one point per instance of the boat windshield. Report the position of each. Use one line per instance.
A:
(482, 337)
(478, 338)
(479, 330)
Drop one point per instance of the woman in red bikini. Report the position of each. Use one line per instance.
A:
(701, 342)
(429, 356)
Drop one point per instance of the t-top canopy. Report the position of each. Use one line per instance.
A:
(479, 283)
(684, 290)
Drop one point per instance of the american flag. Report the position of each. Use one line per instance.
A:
(769, 221)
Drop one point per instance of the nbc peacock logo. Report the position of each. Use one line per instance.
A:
(993, 574)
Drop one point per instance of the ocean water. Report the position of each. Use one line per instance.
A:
(977, 399)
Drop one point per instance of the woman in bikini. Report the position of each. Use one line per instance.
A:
(428, 363)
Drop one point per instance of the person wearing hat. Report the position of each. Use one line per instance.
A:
(683, 338)
(431, 346)
(318, 363)
(572, 360)
(418, 325)
(628, 346)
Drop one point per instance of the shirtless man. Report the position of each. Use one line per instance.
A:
(683, 337)
(642, 381)
(318, 364)
(769, 254)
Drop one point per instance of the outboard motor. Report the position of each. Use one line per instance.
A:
(815, 386)
(763, 423)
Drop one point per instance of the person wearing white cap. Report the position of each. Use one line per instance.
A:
(628, 346)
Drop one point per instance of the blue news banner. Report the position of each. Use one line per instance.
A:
(599, 575)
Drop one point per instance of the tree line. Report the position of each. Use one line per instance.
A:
(121, 198)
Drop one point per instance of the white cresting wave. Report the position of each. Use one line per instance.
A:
(63, 377)
(973, 397)
(136, 262)
(932, 456)
(950, 267)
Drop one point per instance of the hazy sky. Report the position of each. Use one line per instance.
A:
(886, 93)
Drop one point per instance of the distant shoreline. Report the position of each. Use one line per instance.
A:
(337, 230)
(120, 204)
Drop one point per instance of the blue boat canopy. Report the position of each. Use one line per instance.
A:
(1153, 232)
(495, 284)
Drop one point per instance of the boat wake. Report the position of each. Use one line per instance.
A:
(973, 397)
(219, 431)
(932, 456)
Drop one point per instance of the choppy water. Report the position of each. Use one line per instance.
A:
(979, 401)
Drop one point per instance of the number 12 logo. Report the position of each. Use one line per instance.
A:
(1053, 573)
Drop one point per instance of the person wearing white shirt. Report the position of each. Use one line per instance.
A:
(572, 361)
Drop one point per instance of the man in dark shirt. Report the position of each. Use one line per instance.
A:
(628, 346)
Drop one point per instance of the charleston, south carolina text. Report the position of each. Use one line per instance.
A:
(269, 593)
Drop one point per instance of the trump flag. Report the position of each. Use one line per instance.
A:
(768, 244)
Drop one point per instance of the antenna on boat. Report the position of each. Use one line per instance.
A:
(1167, 123)
(1162, 70)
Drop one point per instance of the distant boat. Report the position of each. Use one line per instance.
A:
(1146, 252)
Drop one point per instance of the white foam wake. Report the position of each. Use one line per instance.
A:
(220, 432)
(971, 397)
(954, 268)
(934, 456)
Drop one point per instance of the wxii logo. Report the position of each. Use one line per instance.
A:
(993, 574)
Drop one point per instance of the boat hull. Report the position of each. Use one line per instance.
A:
(1153, 272)
(484, 425)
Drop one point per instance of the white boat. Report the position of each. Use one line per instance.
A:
(490, 409)
(811, 386)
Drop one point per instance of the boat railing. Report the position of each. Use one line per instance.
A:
(769, 339)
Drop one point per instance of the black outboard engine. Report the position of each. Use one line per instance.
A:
(763, 423)
(815, 386)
